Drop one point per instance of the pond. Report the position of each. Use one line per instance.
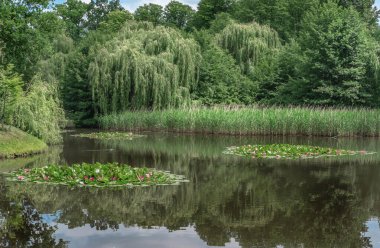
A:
(230, 201)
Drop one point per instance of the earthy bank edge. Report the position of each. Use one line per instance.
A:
(16, 143)
(285, 151)
(109, 135)
(96, 175)
(252, 121)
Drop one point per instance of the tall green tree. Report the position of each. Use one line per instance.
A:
(73, 14)
(10, 90)
(285, 16)
(178, 14)
(221, 80)
(337, 61)
(208, 9)
(365, 8)
(98, 10)
(150, 13)
(143, 67)
(115, 20)
(28, 31)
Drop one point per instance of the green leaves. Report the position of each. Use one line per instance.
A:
(10, 90)
(109, 135)
(285, 151)
(99, 175)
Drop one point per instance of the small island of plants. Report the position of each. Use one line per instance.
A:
(109, 135)
(96, 175)
(286, 151)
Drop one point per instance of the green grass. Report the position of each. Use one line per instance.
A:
(95, 175)
(286, 151)
(252, 121)
(16, 143)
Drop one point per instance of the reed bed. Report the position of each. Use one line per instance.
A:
(348, 122)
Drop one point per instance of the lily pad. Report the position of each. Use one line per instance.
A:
(109, 135)
(286, 151)
(96, 175)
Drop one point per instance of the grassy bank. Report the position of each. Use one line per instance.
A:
(252, 121)
(16, 143)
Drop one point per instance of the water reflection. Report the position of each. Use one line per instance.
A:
(230, 201)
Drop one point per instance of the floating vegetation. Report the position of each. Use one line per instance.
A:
(286, 151)
(109, 135)
(96, 175)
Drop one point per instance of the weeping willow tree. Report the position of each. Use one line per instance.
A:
(250, 44)
(144, 67)
(39, 113)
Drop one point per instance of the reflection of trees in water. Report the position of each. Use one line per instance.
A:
(318, 203)
(22, 225)
(51, 156)
(258, 205)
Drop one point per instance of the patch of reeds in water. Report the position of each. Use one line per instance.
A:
(252, 121)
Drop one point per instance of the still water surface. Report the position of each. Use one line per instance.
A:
(229, 202)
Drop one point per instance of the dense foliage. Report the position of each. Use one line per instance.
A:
(143, 67)
(98, 58)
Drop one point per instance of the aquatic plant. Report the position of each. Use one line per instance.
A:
(95, 175)
(253, 120)
(109, 135)
(286, 151)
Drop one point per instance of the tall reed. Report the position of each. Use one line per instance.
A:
(252, 121)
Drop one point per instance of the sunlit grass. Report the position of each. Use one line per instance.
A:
(252, 121)
(16, 143)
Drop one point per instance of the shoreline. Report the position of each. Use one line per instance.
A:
(308, 122)
(15, 143)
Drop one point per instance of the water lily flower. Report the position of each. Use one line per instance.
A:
(20, 178)
(85, 177)
(92, 179)
(141, 178)
(147, 175)
(26, 170)
(46, 178)
(97, 171)
(363, 152)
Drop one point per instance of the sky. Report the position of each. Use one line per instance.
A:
(132, 5)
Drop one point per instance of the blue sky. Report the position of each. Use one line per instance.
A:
(131, 5)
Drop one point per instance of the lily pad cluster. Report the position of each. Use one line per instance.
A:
(98, 175)
(109, 135)
(286, 151)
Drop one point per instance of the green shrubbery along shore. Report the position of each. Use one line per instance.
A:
(252, 121)
(16, 143)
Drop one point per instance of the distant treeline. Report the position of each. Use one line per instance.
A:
(96, 59)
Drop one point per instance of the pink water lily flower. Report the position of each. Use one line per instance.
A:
(20, 178)
(85, 177)
(46, 178)
(141, 178)
(363, 152)
(92, 179)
